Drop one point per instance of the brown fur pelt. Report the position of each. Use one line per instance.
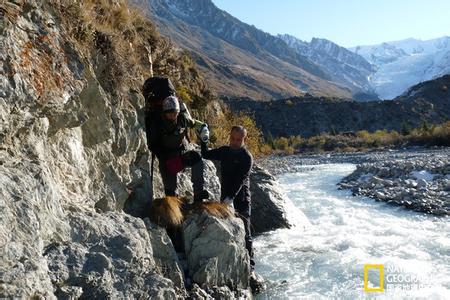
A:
(217, 209)
(167, 211)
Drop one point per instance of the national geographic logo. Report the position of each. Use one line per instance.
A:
(380, 269)
(394, 278)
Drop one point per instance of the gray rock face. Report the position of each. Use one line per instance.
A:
(215, 251)
(268, 211)
(106, 251)
(96, 259)
(164, 254)
(198, 293)
(69, 149)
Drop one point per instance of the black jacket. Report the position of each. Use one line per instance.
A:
(235, 170)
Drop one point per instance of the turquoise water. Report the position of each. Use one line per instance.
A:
(323, 257)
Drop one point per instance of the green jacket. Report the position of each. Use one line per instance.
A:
(167, 139)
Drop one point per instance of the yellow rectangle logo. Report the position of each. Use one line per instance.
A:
(366, 278)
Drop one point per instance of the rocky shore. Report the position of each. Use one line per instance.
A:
(422, 184)
(417, 179)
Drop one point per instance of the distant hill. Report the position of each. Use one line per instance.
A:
(307, 116)
(240, 60)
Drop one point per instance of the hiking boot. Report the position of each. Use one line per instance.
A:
(257, 284)
(200, 196)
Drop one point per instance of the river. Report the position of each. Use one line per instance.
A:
(337, 234)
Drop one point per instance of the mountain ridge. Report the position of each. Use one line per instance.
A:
(343, 65)
(241, 60)
(264, 66)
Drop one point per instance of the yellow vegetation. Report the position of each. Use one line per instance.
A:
(425, 135)
(221, 128)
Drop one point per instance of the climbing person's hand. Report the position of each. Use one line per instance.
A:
(203, 133)
(229, 201)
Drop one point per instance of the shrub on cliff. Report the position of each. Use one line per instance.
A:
(221, 128)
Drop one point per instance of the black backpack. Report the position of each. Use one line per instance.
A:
(155, 90)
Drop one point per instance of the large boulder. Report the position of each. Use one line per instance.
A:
(111, 256)
(268, 202)
(215, 251)
(164, 254)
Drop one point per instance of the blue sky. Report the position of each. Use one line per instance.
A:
(345, 22)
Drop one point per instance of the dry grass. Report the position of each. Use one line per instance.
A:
(425, 135)
(168, 211)
(10, 10)
(127, 39)
(221, 127)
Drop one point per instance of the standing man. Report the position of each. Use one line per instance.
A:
(167, 139)
(236, 163)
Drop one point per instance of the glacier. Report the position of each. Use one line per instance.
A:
(402, 64)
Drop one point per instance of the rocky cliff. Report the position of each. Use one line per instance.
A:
(71, 143)
(73, 154)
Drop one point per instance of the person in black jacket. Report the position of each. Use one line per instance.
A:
(236, 163)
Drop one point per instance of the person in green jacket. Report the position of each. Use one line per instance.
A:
(167, 138)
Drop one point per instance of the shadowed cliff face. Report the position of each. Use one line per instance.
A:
(309, 116)
(72, 144)
(73, 152)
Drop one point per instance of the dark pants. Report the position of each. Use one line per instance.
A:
(243, 207)
(191, 159)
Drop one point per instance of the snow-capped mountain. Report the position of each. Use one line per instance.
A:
(344, 66)
(241, 60)
(402, 64)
